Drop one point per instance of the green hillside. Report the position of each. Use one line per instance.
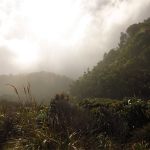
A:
(123, 72)
(102, 122)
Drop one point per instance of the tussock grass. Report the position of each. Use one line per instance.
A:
(93, 124)
(34, 126)
(15, 91)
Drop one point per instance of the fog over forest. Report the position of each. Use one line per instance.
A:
(62, 37)
(75, 74)
(39, 85)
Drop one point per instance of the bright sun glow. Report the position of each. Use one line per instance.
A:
(25, 50)
(51, 19)
(54, 20)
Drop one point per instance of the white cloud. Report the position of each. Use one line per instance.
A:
(63, 36)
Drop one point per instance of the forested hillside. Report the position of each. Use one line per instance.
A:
(96, 123)
(123, 72)
(43, 85)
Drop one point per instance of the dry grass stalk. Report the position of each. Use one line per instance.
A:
(15, 91)
(24, 89)
(29, 91)
(28, 88)
(34, 104)
(25, 92)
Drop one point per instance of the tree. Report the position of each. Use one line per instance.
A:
(123, 39)
(131, 30)
(105, 55)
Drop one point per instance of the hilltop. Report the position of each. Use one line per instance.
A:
(44, 85)
(123, 72)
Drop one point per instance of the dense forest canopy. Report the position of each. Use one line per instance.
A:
(123, 72)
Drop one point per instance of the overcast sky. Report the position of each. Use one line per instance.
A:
(63, 36)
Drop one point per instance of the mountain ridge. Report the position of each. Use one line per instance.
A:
(43, 84)
(123, 72)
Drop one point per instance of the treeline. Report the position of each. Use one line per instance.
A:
(44, 85)
(123, 72)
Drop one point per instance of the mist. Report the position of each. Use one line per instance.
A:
(62, 37)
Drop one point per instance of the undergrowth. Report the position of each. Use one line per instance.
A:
(92, 124)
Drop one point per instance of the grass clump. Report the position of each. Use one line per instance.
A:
(54, 126)
(92, 124)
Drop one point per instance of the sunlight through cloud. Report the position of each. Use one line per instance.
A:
(55, 35)
(51, 19)
(26, 51)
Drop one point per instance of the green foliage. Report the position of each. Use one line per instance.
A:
(123, 39)
(132, 30)
(123, 72)
(123, 122)
(93, 124)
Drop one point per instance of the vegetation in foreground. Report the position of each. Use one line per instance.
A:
(91, 124)
(96, 123)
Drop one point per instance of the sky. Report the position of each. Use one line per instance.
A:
(63, 36)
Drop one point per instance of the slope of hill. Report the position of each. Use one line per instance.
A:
(123, 72)
(43, 84)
